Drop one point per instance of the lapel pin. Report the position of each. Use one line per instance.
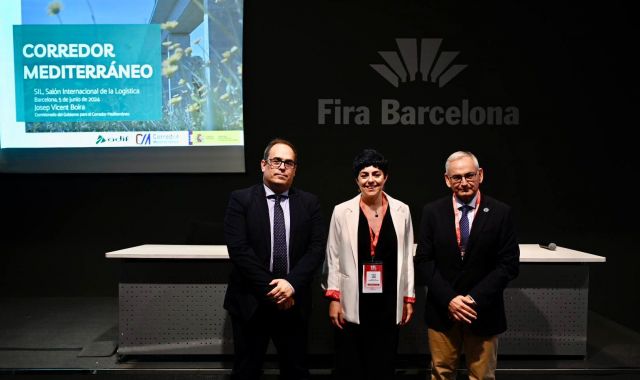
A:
(486, 209)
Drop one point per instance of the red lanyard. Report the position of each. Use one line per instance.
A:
(374, 241)
(374, 235)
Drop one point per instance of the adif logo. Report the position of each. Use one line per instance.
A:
(118, 139)
(403, 65)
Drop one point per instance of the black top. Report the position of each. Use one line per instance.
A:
(378, 308)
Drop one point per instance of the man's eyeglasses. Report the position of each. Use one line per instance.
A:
(458, 178)
(275, 163)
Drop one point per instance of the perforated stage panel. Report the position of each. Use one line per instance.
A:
(547, 311)
(173, 307)
(173, 319)
(170, 307)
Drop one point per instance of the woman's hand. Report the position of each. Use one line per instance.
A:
(336, 314)
(407, 313)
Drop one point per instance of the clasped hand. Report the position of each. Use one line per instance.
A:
(282, 293)
(462, 309)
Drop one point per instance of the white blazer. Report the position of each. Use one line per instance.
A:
(341, 264)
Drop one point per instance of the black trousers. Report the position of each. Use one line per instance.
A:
(289, 332)
(366, 351)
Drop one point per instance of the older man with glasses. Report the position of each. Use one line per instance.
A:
(467, 253)
(276, 240)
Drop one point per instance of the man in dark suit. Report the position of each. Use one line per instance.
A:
(467, 253)
(276, 241)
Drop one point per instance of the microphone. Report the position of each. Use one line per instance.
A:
(549, 246)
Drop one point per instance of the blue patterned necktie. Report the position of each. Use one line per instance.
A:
(464, 227)
(279, 240)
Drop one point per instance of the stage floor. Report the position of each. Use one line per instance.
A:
(58, 337)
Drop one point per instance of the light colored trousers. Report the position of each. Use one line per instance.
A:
(481, 353)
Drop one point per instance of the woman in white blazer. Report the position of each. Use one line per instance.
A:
(369, 273)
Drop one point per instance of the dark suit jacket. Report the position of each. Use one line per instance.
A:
(491, 261)
(248, 237)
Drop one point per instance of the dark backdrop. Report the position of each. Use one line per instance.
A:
(566, 168)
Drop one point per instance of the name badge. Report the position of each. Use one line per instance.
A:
(372, 278)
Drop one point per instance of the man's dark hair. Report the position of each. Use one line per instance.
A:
(275, 141)
(369, 157)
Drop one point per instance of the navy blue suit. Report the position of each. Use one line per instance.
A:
(491, 261)
(255, 318)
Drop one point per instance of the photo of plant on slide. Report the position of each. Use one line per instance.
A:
(122, 66)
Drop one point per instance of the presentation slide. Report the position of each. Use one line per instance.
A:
(138, 83)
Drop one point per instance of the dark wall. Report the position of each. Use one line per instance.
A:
(566, 167)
